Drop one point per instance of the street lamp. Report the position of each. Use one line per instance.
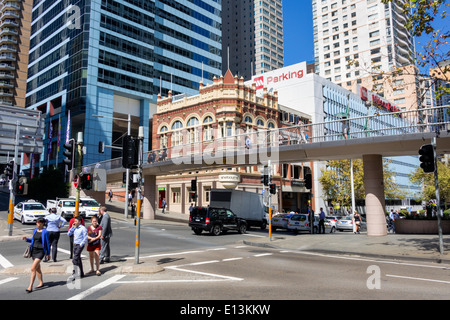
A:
(128, 170)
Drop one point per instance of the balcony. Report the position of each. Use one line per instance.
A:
(8, 32)
(6, 93)
(10, 14)
(6, 84)
(6, 48)
(8, 39)
(9, 23)
(10, 5)
(6, 75)
(6, 66)
(7, 57)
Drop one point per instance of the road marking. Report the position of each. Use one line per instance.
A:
(263, 254)
(232, 259)
(98, 287)
(207, 274)
(202, 262)
(420, 279)
(5, 263)
(68, 252)
(7, 280)
(254, 235)
(165, 254)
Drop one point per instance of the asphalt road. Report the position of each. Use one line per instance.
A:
(199, 268)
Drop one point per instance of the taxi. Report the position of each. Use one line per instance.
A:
(29, 211)
(90, 206)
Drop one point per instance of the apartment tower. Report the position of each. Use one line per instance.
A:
(104, 60)
(252, 40)
(354, 40)
(15, 20)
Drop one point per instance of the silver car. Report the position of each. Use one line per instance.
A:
(300, 222)
(280, 221)
(346, 223)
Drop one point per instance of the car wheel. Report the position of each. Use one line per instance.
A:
(242, 228)
(22, 220)
(197, 231)
(263, 225)
(216, 230)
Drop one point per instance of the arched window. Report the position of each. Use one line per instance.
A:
(248, 119)
(193, 130)
(163, 137)
(260, 123)
(207, 128)
(177, 134)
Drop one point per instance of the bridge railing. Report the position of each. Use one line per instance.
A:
(378, 124)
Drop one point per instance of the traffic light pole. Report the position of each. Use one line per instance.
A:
(139, 196)
(439, 210)
(79, 158)
(13, 183)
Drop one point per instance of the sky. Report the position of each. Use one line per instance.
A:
(298, 31)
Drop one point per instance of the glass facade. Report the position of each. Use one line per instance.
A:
(112, 58)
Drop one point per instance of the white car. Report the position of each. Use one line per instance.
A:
(66, 208)
(29, 211)
(300, 222)
(89, 206)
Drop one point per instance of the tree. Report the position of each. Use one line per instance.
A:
(336, 181)
(426, 180)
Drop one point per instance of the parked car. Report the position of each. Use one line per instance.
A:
(330, 222)
(300, 222)
(346, 223)
(65, 208)
(280, 221)
(215, 221)
(29, 211)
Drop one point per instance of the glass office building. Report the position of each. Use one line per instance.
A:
(102, 59)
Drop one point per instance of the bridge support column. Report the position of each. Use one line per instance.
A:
(149, 206)
(374, 189)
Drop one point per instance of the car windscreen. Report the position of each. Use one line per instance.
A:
(69, 203)
(34, 206)
(89, 203)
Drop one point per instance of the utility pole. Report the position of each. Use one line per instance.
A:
(269, 173)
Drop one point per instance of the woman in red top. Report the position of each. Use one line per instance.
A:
(94, 246)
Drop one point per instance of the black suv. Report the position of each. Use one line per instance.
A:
(215, 220)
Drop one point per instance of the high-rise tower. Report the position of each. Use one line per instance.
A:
(354, 40)
(111, 59)
(252, 40)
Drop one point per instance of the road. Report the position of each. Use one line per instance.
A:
(222, 268)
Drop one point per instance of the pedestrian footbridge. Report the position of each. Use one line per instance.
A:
(370, 138)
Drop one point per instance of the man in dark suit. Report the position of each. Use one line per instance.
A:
(105, 251)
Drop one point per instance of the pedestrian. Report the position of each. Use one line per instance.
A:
(40, 247)
(110, 195)
(54, 224)
(248, 143)
(321, 221)
(391, 223)
(163, 205)
(71, 236)
(93, 246)
(191, 208)
(80, 239)
(105, 251)
(357, 222)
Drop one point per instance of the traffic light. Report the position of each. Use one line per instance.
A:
(21, 187)
(427, 158)
(69, 161)
(9, 170)
(194, 185)
(308, 181)
(273, 188)
(130, 152)
(86, 181)
(131, 184)
(101, 147)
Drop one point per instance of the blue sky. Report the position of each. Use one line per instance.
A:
(298, 31)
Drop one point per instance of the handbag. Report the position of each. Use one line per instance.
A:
(27, 253)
